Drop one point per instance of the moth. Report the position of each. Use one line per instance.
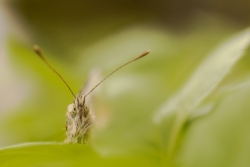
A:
(78, 116)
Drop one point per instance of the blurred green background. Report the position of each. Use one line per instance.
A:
(79, 36)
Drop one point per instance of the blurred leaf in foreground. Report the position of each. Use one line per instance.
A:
(63, 155)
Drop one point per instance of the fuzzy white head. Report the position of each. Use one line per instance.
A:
(78, 117)
(78, 121)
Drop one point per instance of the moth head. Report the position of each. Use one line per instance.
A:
(78, 107)
(79, 102)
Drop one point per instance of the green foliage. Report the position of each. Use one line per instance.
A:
(59, 154)
(202, 124)
(188, 104)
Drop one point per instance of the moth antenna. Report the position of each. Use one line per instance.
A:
(141, 56)
(39, 53)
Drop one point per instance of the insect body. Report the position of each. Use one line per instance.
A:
(78, 117)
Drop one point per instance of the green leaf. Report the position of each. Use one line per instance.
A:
(222, 138)
(206, 77)
(185, 104)
(63, 155)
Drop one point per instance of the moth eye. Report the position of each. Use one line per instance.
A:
(71, 107)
